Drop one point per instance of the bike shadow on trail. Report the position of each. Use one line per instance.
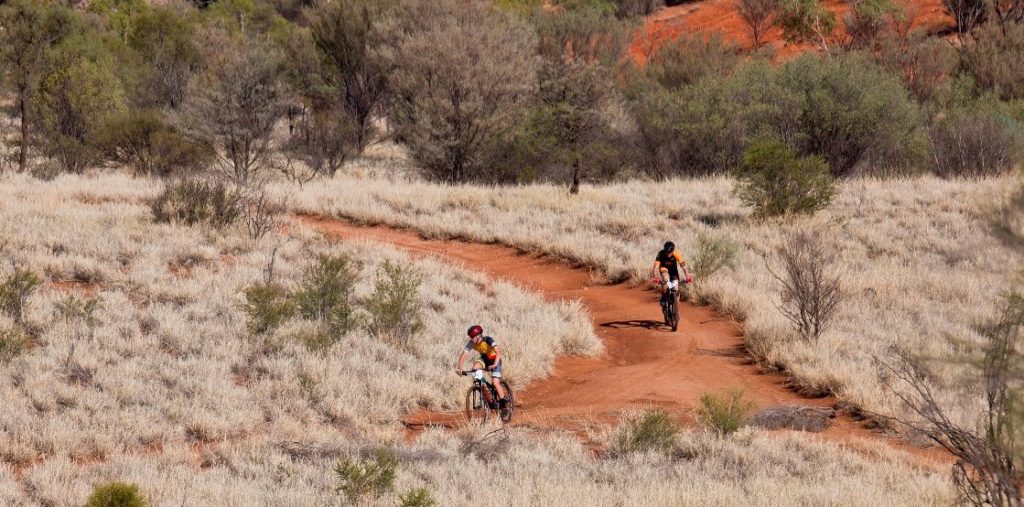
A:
(646, 324)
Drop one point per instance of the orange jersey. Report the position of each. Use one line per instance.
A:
(670, 261)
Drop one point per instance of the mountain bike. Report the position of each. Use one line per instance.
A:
(670, 304)
(482, 399)
(670, 299)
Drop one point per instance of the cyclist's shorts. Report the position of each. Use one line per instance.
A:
(496, 372)
(673, 273)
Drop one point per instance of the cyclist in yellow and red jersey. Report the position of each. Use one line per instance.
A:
(490, 356)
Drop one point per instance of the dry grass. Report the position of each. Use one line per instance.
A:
(919, 259)
(171, 393)
(171, 364)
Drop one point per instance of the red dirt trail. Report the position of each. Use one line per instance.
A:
(644, 364)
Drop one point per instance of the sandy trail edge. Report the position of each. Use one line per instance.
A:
(644, 364)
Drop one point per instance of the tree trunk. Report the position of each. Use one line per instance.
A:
(23, 152)
(575, 187)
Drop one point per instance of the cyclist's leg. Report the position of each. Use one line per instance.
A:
(673, 276)
(664, 279)
(496, 381)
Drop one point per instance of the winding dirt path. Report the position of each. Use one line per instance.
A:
(644, 363)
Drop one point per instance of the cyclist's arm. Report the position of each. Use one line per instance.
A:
(497, 355)
(461, 361)
(682, 264)
(657, 264)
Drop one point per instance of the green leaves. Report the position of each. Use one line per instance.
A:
(806, 21)
(774, 180)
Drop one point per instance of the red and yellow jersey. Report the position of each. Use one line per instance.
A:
(486, 347)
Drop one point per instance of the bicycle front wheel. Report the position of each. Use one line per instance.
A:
(476, 407)
(510, 405)
(673, 314)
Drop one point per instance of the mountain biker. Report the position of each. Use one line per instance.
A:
(489, 355)
(666, 266)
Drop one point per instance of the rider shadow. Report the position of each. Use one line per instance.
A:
(647, 324)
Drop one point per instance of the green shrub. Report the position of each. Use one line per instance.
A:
(12, 342)
(977, 139)
(924, 63)
(848, 110)
(74, 311)
(725, 413)
(994, 59)
(395, 306)
(325, 293)
(267, 306)
(417, 497)
(15, 290)
(654, 430)
(74, 98)
(713, 254)
(192, 202)
(688, 59)
(696, 130)
(805, 21)
(115, 494)
(851, 112)
(147, 144)
(775, 181)
(373, 477)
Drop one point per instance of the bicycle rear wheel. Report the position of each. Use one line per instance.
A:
(510, 405)
(476, 407)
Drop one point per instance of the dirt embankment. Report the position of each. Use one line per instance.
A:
(644, 363)
(710, 16)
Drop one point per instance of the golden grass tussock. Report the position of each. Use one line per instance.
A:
(919, 262)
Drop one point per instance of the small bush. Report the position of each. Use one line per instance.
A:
(976, 140)
(773, 180)
(325, 293)
(625, 9)
(994, 59)
(358, 479)
(15, 290)
(713, 254)
(260, 212)
(654, 430)
(417, 497)
(12, 342)
(193, 202)
(150, 146)
(686, 60)
(810, 287)
(395, 306)
(73, 310)
(267, 306)
(924, 63)
(725, 413)
(116, 494)
(324, 140)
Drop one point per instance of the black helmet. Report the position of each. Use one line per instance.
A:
(474, 330)
(670, 246)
